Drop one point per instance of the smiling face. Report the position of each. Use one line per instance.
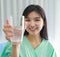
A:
(34, 23)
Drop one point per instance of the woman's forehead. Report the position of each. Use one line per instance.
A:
(33, 13)
(36, 17)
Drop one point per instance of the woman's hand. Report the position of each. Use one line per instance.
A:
(8, 29)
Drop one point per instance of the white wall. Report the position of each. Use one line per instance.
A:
(57, 27)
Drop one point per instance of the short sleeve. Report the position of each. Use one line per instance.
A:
(54, 54)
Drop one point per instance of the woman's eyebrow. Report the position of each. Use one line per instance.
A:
(37, 18)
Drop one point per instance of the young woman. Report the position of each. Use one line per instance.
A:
(35, 42)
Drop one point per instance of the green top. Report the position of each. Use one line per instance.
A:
(45, 49)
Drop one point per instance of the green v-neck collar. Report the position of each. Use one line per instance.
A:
(37, 50)
(27, 41)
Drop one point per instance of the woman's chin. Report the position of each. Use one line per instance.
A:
(33, 34)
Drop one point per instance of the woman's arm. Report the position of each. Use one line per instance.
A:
(15, 50)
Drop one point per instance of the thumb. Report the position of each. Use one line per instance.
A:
(7, 21)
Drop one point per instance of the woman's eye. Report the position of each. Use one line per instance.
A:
(27, 20)
(37, 20)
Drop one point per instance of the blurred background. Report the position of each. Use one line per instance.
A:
(15, 8)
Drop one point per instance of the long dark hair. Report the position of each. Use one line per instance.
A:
(40, 11)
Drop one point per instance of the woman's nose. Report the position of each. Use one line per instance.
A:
(32, 23)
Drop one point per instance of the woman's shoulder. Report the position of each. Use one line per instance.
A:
(49, 45)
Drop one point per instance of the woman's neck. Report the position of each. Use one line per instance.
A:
(34, 40)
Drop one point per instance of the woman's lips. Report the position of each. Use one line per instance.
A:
(32, 29)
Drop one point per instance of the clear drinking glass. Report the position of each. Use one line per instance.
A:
(18, 31)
